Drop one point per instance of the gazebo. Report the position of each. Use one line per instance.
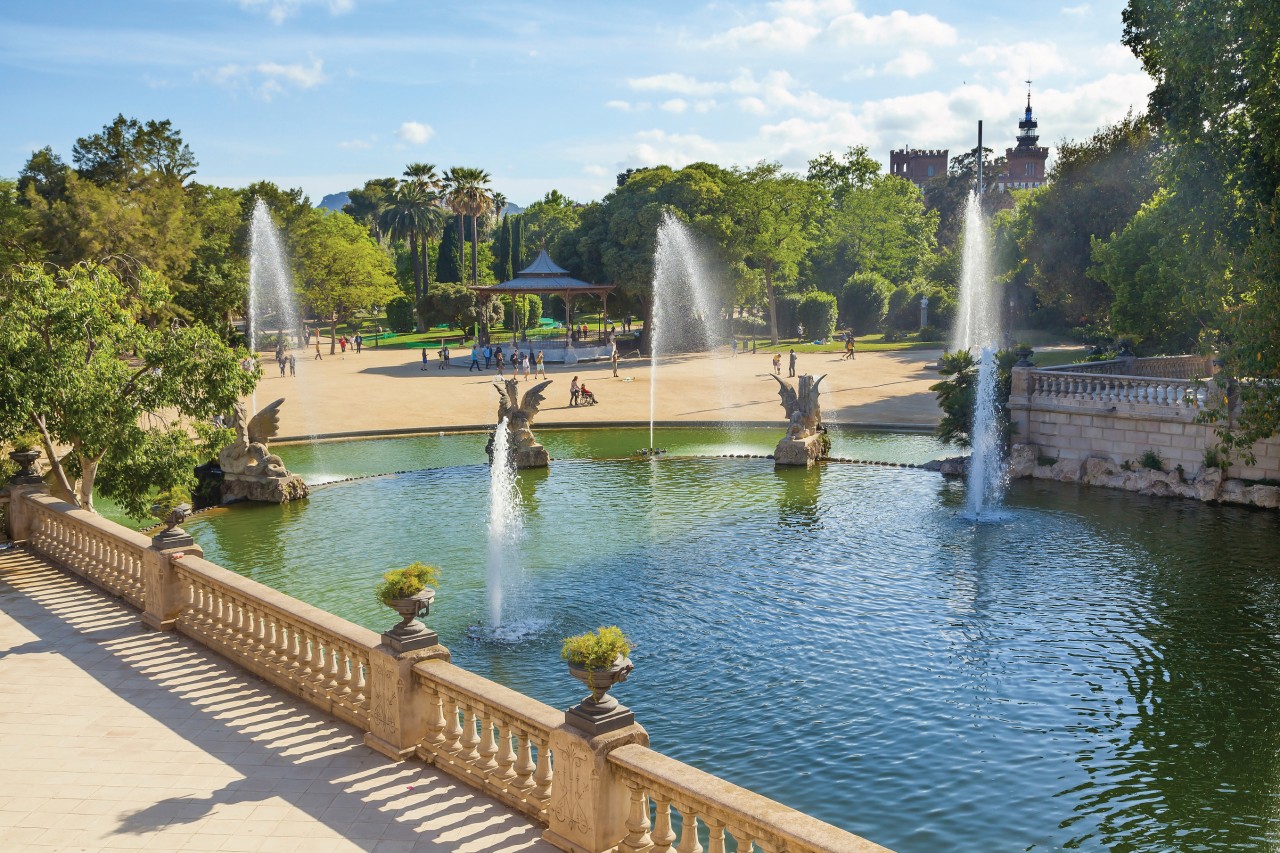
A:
(545, 277)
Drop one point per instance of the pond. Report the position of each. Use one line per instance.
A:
(1098, 670)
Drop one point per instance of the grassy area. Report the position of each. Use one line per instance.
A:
(1053, 358)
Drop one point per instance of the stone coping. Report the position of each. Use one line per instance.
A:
(711, 796)
(513, 704)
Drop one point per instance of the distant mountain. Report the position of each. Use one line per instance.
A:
(334, 201)
(512, 209)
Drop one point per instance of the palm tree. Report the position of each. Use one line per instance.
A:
(404, 216)
(425, 175)
(469, 195)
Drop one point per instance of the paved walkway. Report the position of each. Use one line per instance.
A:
(384, 389)
(113, 737)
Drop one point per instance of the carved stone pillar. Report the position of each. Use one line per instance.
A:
(18, 518)
(164, 595)
(589, 804)
(399, 718)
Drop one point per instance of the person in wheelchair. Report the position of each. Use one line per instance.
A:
(585, 397)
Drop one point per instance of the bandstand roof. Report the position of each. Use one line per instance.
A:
(545, 276)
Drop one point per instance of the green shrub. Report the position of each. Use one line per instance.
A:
(817, 312)
(400, 314)
(750, 327)
(1212, 458)
(165, 501)
(406, 582)
(1151, 460)
(957, 395)
(596, 650)
(930, 333)
(862, 302)
(788, 315)
(27, 441)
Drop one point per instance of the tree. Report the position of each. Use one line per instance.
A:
(545, 220)
(459, 306)
(44, 175)
(772, 212)
(949, 194)
(854, 170)
(341, 270)
(216, 285)
(127, 150)
(77, 366)
(449, 256)
(404, 216)
(365, 205)
(469, 195)
(817, 312)
(17, 240)
(957, 395)
(863, 301)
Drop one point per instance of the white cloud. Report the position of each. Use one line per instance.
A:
(680, 84)
(909, 63)
(596, 171)
(800, 24)
(675, 105)
(268, 79)
(627, 106)
(415, 132)
(355, 145)
(1078, 11)
(279, 10)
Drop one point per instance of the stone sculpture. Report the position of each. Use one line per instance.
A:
(804, 442)
(519, 411)
(250, 472)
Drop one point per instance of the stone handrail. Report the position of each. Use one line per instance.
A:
(1163, 367)
(752, 820)
(313, 654)
(1111, 366)
(98, 550)
(494, 737)
(1096, 390)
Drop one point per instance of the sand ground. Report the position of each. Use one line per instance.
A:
(387, 390)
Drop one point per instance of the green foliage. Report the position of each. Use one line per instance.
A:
(449, 262)
(17, 242)
(1151, 459)
(458, 305)
(546, 219)
(166, 500)
(127, 150)
(930, 333)
(597, 650)
(787, 324)
(958, 393)
(77, 365)
(406, 582)
(400, 314)
(341, 270)
(863, 301)
(817, 313)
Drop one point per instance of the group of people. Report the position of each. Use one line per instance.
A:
(791, 363)
(493, 356)
(284, 360)
(579, 395)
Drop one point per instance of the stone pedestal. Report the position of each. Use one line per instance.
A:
(798, 451)
(590, 802)
(533, 456)
(276, 490)
(397, 723)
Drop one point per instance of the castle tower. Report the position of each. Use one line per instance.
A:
(918, 165)
(1025, 164)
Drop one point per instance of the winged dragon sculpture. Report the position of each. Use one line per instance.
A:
(518, 411)
(802, 405)
(248, 454)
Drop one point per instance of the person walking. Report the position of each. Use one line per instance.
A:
(280, 363)
(293, 365)
(791, 363)
(475, 358)
(488, 355)
(497, 361)
(524, 364)
(614, 359)
(424, 359)
(318, 357)
(445, 352)
(777, 363)
(359, 342)
(573, 392)
(540, 366)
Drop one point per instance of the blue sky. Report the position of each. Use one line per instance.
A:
(324, 94)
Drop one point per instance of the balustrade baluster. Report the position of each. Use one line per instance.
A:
(543, 776)
(333, 674)
(506, 755)
(435, 719)
(345, 664)
(471, 738)
(663, 835)
(453, 734)
(321, 667)
(715, 836)
(488, 745)
(360, 698)
(306, 665)
(293, 646)
(524, 762)
(259, 635)
(688, 830)
(637, 824)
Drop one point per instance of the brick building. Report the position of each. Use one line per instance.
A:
(918, 165)
(1024, 164)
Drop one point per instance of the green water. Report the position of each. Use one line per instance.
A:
(1098, 670)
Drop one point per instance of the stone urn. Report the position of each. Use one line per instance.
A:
(26, 460)
(410, 633)
(600, 712)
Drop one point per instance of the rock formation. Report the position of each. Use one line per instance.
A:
(518, 412)
(804, 442)
(249, 471)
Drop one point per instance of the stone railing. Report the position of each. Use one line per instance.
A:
(1092, 390)
(1163, 367)
(491, 736)
(725, 810)
(313, 654)
(592, 792)
(88, 545)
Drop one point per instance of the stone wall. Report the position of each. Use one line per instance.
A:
(1068, 416)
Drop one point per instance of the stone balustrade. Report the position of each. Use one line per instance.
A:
(593, 793)
(657, 784)
(1163, 367)
(86, 544)
(1183, 396)
(491, 736)
(315, 655)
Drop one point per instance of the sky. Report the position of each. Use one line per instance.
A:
(325, 94)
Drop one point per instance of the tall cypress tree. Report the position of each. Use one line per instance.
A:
(449, 262)
(517, 244)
